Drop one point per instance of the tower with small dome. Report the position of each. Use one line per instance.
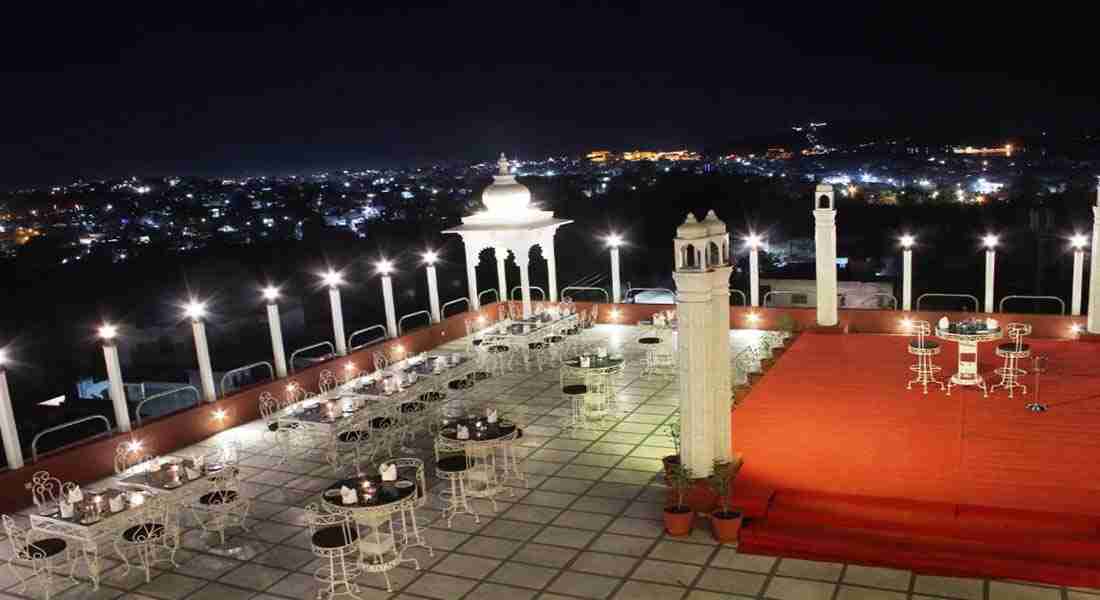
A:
(702, 307)
(510, 224)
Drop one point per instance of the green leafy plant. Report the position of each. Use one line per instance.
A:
(673, 430)
(721, 480)
(680, 479)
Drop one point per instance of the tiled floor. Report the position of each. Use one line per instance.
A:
(589, 526)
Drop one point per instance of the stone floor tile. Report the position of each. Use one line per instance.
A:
(495, 591)
(667, 572)
(487, 546)
(523, 575)
(582, 520)
(622, 544)
(550, 556)
(787, 588)
(170, 586)
(253, 576)
(437, 585)
(880, 577)
(584, 585)
(681, 552)
(1000, 590)
(513, 530)
(465, 565)
(217, 591)
(644, 590)
(614, 565)
(951, 587)
(850, 592)
(731, 582)
(561, 536)
(810, 569)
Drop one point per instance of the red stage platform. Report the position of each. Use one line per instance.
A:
(861, 469)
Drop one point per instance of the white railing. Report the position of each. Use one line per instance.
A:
(769, 294)
(245, 369)
(541, 291)
(443, 309)
(874, 296)
(626, 294)
(34, 441)
(165, 394)
(1061, 303)
(744, 300)
(401, 321)
(293, 355)
(352, 347)
(606, 296)
(488, 291)
(973, 299)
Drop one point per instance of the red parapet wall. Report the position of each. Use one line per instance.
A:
(94, 460)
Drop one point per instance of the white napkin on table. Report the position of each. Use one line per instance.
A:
(943, 323)
(584, 362)
(348, 495)
(389, 473)
(117, 503)
(463, 432)
(76, 495)
(192, 474)
(491, 415)
(66, 509)
(991, 323)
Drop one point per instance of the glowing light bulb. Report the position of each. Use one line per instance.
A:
(614, 240)
(108, 332)
(384, 266)
(194, 310)
(753, 240)
(430, 257)
(332, 278)
(271, 293)
(907, 241)
(1078, 241)
(990, 241)
(218, 415)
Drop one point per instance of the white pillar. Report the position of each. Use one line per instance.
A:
(472, 256)
(115, 389)
(277, 348)
(1078, 281)
(825, 250)
(616, 284)
(524, 284)
(990, 262)
(337, 320)
(387, 300)
(754, 275)
(907, 279)
(551, 269)
(13, 450)
(202, 352)
(502, 280)
(720, 363)
(694, 340)
(1094, 271)
(433, 294)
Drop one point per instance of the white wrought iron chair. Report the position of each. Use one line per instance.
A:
(412, 469)
(326, 381)
(45, 490)
(1013, 352)
(924, 349)
(45, 556)
(225, 505)
(453, 466)
(334, 537)
(151, 534)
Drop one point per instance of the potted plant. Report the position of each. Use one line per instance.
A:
(678, 515)
(673, 430)
(786, 324)
(725, 523)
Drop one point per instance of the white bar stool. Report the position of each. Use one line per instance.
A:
(924, 349)
(1013, 352)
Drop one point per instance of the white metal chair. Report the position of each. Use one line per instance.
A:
(334, 538)
(45, 490)
(129, 455)
(45, 556)
(151, 534)
(225, 505)
(281, 433)
(1013, 352)
(326, 382)
(924, 371)
(452, 466)
(412, 469)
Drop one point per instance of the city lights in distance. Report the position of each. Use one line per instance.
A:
(384, 266)
(108, 332)
(1078, 241)
(332, 278)
(430, 257)
(614, 240)
(194, 310)
(907, 241)
(990, 241)
(271, 293)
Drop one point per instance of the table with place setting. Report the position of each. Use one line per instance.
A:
(372, 501)
(968, 334)
(480, 437)
(597, 371)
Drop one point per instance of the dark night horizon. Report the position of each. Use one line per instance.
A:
(269, 88)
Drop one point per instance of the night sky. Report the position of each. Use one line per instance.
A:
(252, 87)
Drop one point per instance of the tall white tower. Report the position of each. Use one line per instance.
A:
(702, 276)
(1094, 270)
(825, 253)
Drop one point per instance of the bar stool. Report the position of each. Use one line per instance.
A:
(924, 349)
(335, 537)
(512, 461)
(575, 393)
(452, 465)
(1013, 351)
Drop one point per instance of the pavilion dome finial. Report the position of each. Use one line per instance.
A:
(506, 195)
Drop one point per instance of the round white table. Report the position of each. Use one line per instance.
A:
(968, 374)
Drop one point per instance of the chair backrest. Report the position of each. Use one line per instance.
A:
(268, 406)
(380, 361)
(920, 329)
(17, 536)
(1016, 333)
(44, 488)
(293, 393)
(153, 520)
(326, 381)
(128, 455)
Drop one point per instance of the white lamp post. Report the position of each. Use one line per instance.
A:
(907, 271)
(384, 268)
(271, 294)
(13, 451)
(754, 242)
(613, 242)
(333, 279)
(108, 333)
(195, 311)
(1078, 243)
(990, 243)
(430, 258)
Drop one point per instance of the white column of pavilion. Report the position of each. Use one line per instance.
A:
(1094, 271)
(509, 223)
(825, 255)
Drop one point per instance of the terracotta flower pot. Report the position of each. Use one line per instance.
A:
(726, 526)
(678, 520)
